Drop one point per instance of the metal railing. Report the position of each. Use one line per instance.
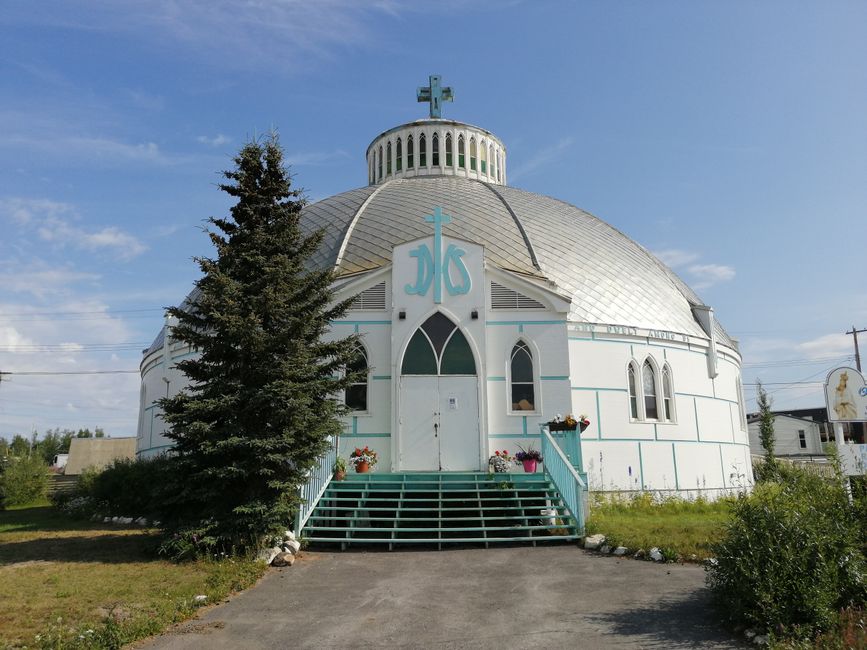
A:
(565, 478)
(317, 481)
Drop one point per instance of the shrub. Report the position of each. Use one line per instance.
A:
(24, 480)
(790, 558)
(128, 488)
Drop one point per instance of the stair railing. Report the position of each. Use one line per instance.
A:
(314, 487)
(565, 478)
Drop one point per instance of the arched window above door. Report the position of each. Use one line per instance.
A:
(438, 347)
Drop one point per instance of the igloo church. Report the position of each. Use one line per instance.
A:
(486, 311)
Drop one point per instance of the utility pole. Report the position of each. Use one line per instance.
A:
(855, 331)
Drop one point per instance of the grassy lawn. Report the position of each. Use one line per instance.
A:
(61, 578)
(676, 526)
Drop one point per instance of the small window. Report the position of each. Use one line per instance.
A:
(372, 171)
(648, 384)
(422, 151)
(491, 157)
(633, 393)
(409, 152)
(355, 396)
(473, 154)
(448, 149)
(398, 163)
(380, 163)
(419, 358)
(438, 347)
(388, 159)
(802, 438)
(522, 381)
(457, 356)
(461, 161)
(667, 395)
(435, 150)
(499, 165)
(484, 158)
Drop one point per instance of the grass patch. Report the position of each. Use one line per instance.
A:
(62, 578)
(674, 525)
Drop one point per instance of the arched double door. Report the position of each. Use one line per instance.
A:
(439, 400)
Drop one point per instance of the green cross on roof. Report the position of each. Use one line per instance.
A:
(435, 94)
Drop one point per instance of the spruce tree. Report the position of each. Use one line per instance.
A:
(261, 401)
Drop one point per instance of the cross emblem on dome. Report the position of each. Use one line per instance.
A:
(435, 94)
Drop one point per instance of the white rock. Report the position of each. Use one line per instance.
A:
(750, 634)
(760, 639)
(267, 555)
(114, 520)
(292, 546)
(620, 550)
(605, 549)
(288, 535)
(656, 555)
(593, 542)
(124, 520)
(200, 598)
(283, 559)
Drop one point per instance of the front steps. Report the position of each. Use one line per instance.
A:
(432, 508)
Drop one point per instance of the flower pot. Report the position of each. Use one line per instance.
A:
(529, 466)
(561, 426)
(339, 475)
(584, 426)
(363, 467)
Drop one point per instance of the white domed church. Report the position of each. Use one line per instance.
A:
(486, 311)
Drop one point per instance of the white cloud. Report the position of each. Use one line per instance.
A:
(707, 275)
(675, 257)
(215, 141)
(541, 158)
(829, 345)
(40, 280)
(52, 222)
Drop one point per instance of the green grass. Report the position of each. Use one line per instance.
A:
(61, 578)
(676, 526)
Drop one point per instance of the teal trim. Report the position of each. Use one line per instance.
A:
(524, 322)
(381, 377)
(361, 322)
(722, 467)
(674, 458)
(356, 328)
(673, 440)
(695, 411)
(513, 435)
(640, 466)
(721, 399)
(618, 390)
(365, 435)
(593, 337)
(524, 424)
(554, 377)
(496, 379)
(354, 424)
(598, 418)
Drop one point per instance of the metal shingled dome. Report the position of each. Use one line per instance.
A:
(610, 278)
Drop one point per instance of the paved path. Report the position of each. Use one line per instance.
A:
(552, 597)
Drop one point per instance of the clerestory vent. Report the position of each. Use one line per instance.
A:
(373, 298)
(505, 298)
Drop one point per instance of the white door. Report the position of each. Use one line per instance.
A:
(459, 423)
(439, 423)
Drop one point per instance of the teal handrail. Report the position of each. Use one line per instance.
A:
(317, 482)
(564, 477)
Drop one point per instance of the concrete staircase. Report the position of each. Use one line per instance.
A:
(439, 509)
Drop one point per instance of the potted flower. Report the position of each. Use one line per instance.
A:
(339, 469)
(363, 459)
(529, 458)
(569, 423)
(501, 462)
(583, 422)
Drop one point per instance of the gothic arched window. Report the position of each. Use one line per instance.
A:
(409, 152)
(380, 162)
(438, 347)
(355, 396)
(461, 161)
(398, 162)
(388, 159)
(648, 386)
(448, 149)
(422, 151)
(491, 158)
(522, 378)
(435, 150)
(473, 154)
(484, 158)
(631, 372)
(667, 394)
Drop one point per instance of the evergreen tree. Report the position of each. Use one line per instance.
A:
(260, 405)
(766, 421)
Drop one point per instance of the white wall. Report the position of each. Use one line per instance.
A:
(787, 440)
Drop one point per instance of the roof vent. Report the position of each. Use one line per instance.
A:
(505, 298)
(370, 299)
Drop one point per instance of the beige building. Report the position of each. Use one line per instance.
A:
(97, 452)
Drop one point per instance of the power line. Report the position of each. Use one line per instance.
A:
(82, 313)
(68, 372)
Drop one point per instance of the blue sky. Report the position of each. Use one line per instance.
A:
(730, 138)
